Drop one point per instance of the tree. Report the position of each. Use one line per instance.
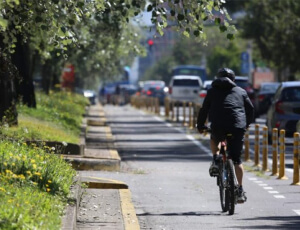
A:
(274, 27)
(50, 28)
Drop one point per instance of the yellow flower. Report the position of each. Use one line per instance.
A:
(49, 181)
(48, 189)
(28, 172)
(13, 164)
(47, 185)
(37, 173)
(32, 161)
(2, 189)
(34, 166)
(5, 164)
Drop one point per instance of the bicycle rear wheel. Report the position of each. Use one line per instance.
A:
(230, 191)
(222, 187)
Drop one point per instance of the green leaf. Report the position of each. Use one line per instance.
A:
(223, 28)
(217, 21)
(196, 33)
(180, 17)
(230, 36)
(38, 19)
(149, 8)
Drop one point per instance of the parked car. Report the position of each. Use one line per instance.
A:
(265, 96)
(244, 83)
(154, 88)
(284, 112)
(91, 95)
(185, 88)
(203, 92)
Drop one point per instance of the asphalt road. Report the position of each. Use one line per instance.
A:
(166, 168)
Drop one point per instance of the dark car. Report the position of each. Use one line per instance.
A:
(154, 88)
(265, 96)
(284, 112)
(244, 83)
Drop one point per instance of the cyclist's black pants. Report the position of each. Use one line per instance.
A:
(235, 141)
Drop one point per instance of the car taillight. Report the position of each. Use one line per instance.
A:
(170, 90)
(149, 92)
(278, 108)
(261, 97)
(277, 125)
(202, 95)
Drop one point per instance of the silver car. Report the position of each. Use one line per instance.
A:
(284, 112)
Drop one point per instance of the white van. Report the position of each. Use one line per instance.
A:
(185, 88)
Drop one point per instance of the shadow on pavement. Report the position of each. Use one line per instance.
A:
(286, 222)
(183, 214)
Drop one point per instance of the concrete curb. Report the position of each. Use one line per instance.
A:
(82, 163)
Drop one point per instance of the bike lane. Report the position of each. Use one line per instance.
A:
(166, 168)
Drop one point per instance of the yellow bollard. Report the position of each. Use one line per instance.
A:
(296, 160)
(177, 111)
(190, 115)
(265, 149)
(247, 146)
(173, 109)
(256, 146)
(167, 106)
(282, 156)
(157, 110)
(275, 152)
(184, 114)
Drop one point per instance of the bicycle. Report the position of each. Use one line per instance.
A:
(226, 179)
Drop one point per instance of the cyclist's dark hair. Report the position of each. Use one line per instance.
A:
(226, 72)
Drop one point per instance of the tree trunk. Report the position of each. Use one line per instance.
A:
(8, 111)
(22, 60)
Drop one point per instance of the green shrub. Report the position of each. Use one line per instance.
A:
(34, 184)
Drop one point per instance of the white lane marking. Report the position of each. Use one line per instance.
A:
(202, 147)
(279, 196)
(273, 192)
(268, 188)
(258, 182)
(252, 178)
(262, 184)
(297, 212)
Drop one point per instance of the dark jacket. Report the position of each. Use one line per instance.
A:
(227, 106)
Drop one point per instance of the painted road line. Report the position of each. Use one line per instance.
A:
(297, 212)
(268, 188)
(273, 192)
(279, 196)
(252, 178)
(129, 216)
(263, 185)
(258, 182)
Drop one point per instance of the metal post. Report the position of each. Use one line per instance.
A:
(173, 109)
(265, 149)
(184, 115)
(296, 160)
(275, 152)
(190, 115)
(167, 106)
(256, 146)
(282, 155)
(177, 111)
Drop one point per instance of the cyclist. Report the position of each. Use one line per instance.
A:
(230, 111)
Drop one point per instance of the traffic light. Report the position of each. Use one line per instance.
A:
(150, 44)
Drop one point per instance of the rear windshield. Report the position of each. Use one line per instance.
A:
(186, 82)
(291, 94)
(241, 83)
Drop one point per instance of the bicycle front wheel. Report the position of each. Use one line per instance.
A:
(222, 186)
(230, 191)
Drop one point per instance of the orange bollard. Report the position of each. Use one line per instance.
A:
(265, 149)
(256, 146)
(296, 160)
(167, 107)
(173, 114)
(184, 114)
(275, 152)
(282, 156)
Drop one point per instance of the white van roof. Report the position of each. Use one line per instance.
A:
(185, 77)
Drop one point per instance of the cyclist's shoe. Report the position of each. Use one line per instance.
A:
(241, 196)
(214, 169)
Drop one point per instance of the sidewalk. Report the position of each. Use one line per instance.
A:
(104, 203)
